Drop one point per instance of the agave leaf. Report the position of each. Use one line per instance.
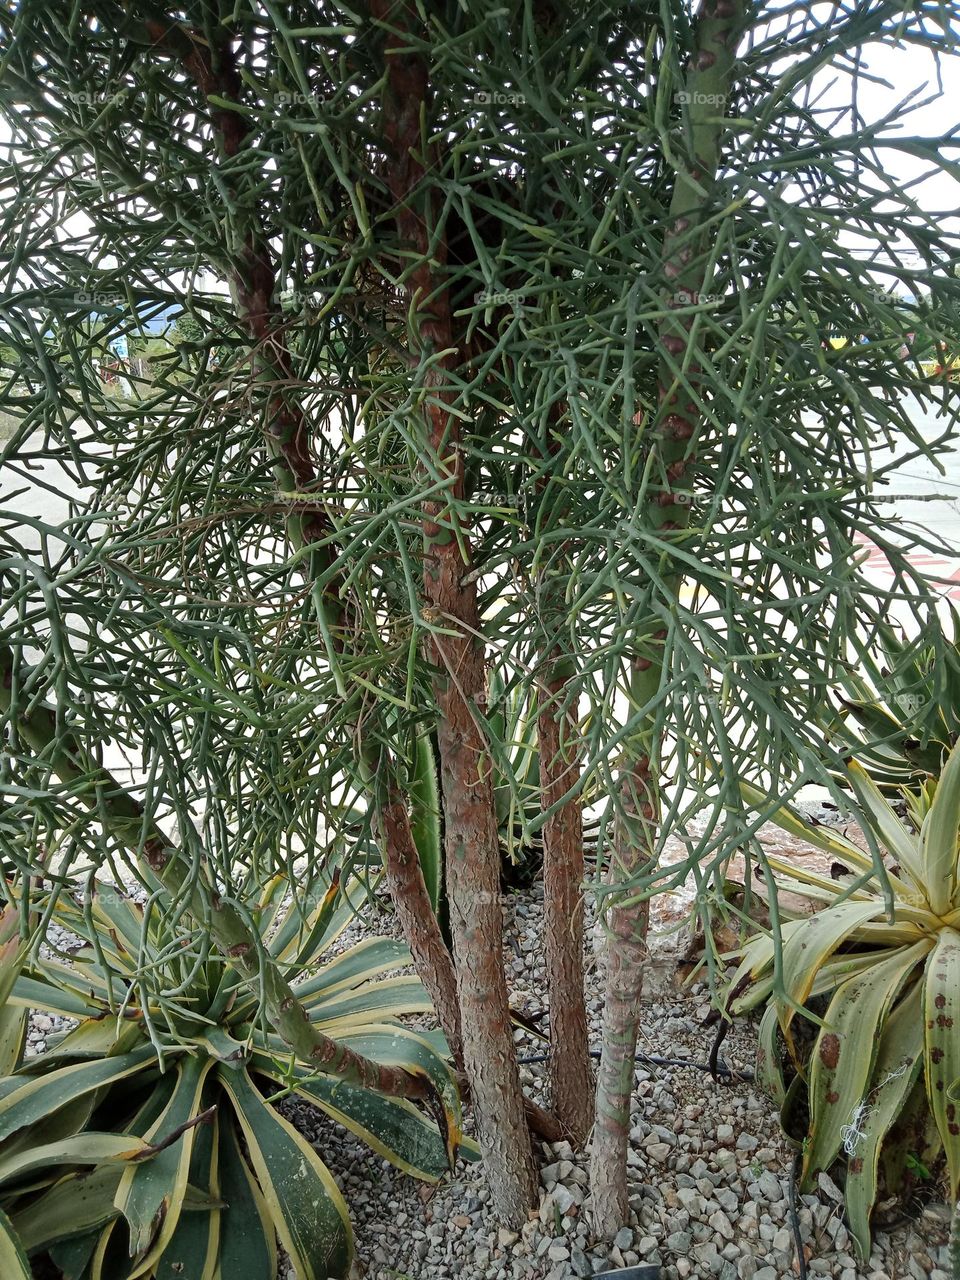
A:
(401, 1047)
(300, 928)
(13, 1260)
(193, 1248)
(941, 1017)
(55, 996)
(13, 1035)
(843, 1057)
(95, 1038)
(123, 921)
(769, 1071)
(425, 818)
(812, 885)
(248, 1238)
(106, 1244)
(73, 1256)
(76, 1204)
(305, 1203)
(36, 1097)
(13, 949)
(912, 1136)
(393, 1127)
(808, 949)
(222, 1047)
(150, 1195)
(938, 838)
(899, 842)
(787, 819)
(897, 1068)
(84, 1148)
(65, 1122)
(346, 907)
(368, 959)
(756, 957)
(391, 996)
(839, 968)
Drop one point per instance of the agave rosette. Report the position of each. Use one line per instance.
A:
(879, 959)
(168, 1042)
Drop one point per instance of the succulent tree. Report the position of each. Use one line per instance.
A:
(510, 356)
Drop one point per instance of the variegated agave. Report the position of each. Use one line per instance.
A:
(877, 967)
(899, 716)
(167, 1042)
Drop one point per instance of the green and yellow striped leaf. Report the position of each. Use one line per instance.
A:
(194, 1246)
(78, 1203)
(938, 839)
(13, 1260)
(368, 959)
(400, 1047)
(808, 949)
(83, 1148)
(248, 1238)
(425, 817)
(37, 1096)
(305, 1203)
(151, 1195)
(393, 1127)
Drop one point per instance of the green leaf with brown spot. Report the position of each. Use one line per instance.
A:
(941, 1021)
(899, 1059)
(845, 1050)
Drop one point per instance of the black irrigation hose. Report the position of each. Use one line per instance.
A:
(795, 1217)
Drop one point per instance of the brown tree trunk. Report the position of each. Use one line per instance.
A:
(571, 1078)
(253, 280)
(471, 845)
(673, 440)
(418, 920)
(626, 952)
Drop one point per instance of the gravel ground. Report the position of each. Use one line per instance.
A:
(709, 1171)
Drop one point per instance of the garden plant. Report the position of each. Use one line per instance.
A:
(499, 362)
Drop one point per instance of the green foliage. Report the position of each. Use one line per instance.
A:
(168, 1041)
(214, 670)
(900, 708)
(876, 970)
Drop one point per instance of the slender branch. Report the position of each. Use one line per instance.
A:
(287, 434)
(472, 845)
(124, 819)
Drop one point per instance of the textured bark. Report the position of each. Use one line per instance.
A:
(571, 1077)
(673, 441)
(418, 920)
(253, 281)
(626, 952)
(471, 845)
